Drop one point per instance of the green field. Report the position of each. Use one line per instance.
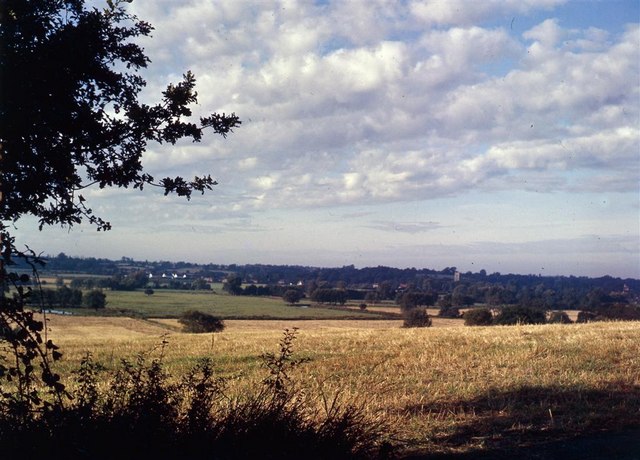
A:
(165, 303)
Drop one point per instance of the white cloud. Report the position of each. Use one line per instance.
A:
(463, 12)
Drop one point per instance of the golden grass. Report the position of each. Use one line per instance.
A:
(442, 388)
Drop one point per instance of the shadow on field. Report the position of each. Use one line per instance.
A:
(543, 423)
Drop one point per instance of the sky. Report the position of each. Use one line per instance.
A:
(496, 135)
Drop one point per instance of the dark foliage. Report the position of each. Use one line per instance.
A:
(620, 312)
(95, 299)
(412, 299)
(520, 315)
(69, 113)
(615, 312)
(478, 317)
(449, 312)
(63, 297)
(327, 295)
(233, 284)
(416, 317)
(559, 317)
(587, 317)
(292, 296)
(198, 322)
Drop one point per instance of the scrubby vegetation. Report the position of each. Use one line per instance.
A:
(199, 322)
(478, 317)
(560, 317)
(416, 317)
(141, 411)
(520, 315)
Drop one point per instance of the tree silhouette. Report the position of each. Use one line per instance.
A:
(69, 113)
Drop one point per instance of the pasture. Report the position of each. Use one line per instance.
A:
(167, 303)
(439, 389)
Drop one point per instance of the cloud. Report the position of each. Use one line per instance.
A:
(461, 12)
(404, 227)
(370, 105)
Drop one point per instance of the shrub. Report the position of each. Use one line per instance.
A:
(612, 312)
(478, 317)
(559, 317)
(416, 317)
(620, 312)
(520, 315)
(587, 317)
(449, 312)
(198, 322)
(95, 299)
(292, 296)
(149, 291)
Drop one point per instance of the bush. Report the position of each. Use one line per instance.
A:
(292, 296)
(416, 317)
(620, 312)
(198, 322)
(520, 315)
(478, 317)
(449, 312)
(587, 317)
(612, 312)
(95, 299)
(560, 317)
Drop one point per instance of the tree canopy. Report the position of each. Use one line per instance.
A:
(70, 117)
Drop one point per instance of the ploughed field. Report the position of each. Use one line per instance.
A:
(447, 388)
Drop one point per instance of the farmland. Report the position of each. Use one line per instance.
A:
(440, 389)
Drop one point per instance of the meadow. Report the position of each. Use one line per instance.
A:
(439, 389)
(169, 303)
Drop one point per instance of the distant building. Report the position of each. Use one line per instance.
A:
(456, 277)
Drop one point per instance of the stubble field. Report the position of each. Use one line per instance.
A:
(447, 388)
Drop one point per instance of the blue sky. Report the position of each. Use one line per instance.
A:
(496, 135)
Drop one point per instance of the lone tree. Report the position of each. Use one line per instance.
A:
(70, 119)
(292, 296)
(95, 299)
(199, 322)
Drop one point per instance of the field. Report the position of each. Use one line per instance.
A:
(440, 389)
(166, 303)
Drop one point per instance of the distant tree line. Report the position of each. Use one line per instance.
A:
(67, 297)
(353, 277)
(369, 284)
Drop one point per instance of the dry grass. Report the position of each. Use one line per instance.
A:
(442, 388)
